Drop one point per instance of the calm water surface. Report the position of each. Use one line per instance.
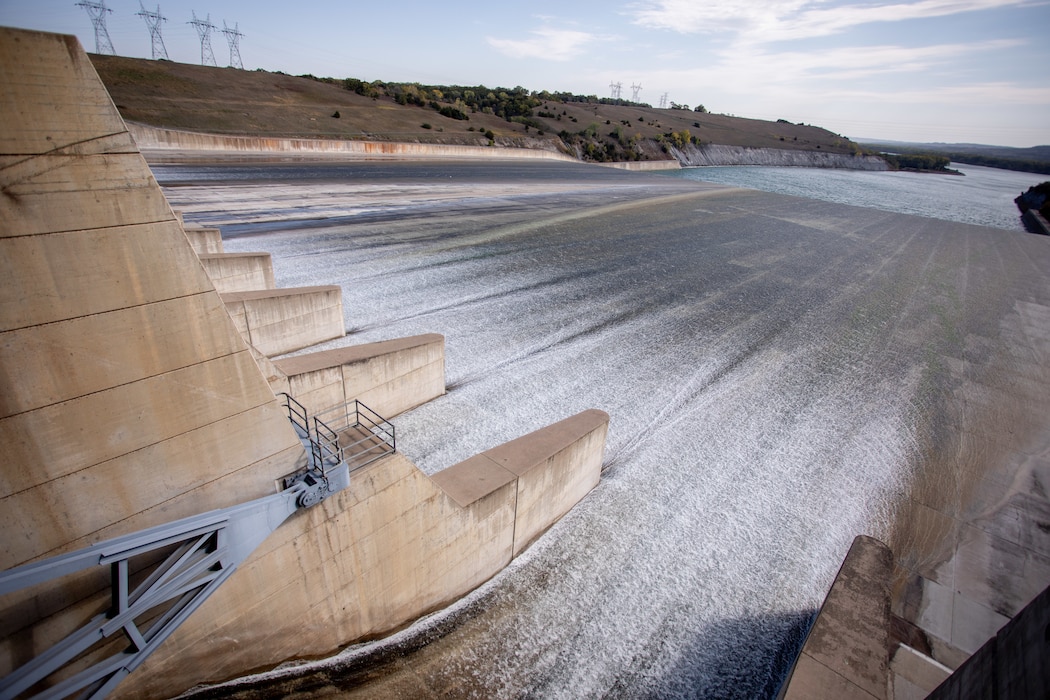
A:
(983, 196)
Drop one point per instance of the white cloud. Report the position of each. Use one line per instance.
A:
(760, 81)
(758, 21)
(968, 96)
(545, 43)
(790, 67)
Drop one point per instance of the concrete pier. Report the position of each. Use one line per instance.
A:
(239, 272)
(390, 376)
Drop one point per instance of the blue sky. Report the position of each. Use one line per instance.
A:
(911, 70)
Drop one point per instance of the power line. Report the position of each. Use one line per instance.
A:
(153, 20)
(635, 89)
(663, 101)
(615, 88)
(233, 38)
(97, 12)
(204, 27)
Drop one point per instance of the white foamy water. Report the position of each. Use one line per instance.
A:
(766, 366)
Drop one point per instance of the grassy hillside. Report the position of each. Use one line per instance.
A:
(229, 101)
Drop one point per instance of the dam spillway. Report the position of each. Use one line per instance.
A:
(785, 372)
(782, 374)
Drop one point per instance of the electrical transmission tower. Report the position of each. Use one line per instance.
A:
(233, 38)
(635, 89)
(153, 20)
(663, 101)
(97, 12)
(616, 87)
(204, 27)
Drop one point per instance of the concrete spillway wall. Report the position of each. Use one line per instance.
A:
(159, 140)
(395, 545)
(156, 141)
(129, 398)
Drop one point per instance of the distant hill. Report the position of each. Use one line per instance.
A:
(229, 101)
(1029, 160)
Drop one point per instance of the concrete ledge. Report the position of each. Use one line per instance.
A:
(915, 675)
(390, 376)
(239, 272)
(554, 468)
(204, 240)
(1035, 222)
(283, 320)
(472, 479)
(846, 654)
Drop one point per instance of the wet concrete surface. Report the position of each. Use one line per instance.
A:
(782, 374)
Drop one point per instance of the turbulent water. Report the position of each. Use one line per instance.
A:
(769, 364)
(984, 196)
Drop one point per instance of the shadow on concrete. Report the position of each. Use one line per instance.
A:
(706, 668)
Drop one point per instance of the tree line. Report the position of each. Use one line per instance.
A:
(1003, 162)
(917, 161)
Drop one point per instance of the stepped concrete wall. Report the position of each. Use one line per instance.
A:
(205, 241)
(129, 399)
(389, 377)
(239, 272)
(277, 321)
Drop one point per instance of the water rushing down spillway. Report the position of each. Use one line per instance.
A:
(773, 368)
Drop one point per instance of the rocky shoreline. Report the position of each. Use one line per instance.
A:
(715, 154)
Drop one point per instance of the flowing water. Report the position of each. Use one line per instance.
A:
(773, 368)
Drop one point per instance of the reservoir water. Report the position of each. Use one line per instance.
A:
(777, 369)
(982, 196)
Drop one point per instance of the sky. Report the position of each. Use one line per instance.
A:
(954, 71)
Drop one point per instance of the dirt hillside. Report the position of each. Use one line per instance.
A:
(230, 101)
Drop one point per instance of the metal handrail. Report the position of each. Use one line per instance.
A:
(354, 414)
(326, 444)
(297, 413)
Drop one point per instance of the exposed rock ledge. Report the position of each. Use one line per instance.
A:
(714, 154)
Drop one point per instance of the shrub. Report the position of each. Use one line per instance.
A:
(452, 113)
(426, 125)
